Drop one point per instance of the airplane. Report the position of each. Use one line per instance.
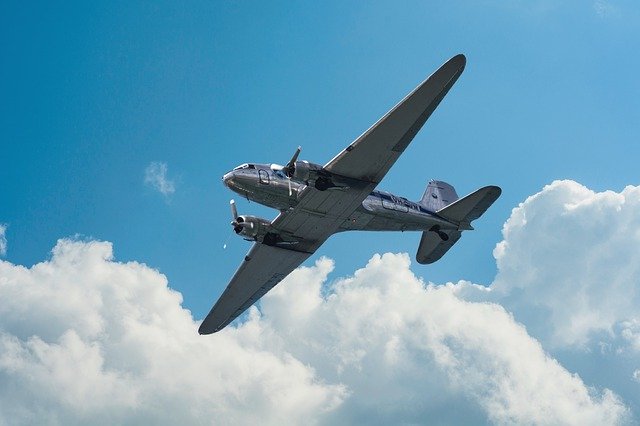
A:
(317, 201)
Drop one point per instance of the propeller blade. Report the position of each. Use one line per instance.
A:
(291, 165)
(295, 157)
(234, 210)
(289, 180)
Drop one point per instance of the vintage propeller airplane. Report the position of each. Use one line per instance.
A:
(317, 201)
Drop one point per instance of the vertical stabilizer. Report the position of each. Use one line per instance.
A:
(438, 195)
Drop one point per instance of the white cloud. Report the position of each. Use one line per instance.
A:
(3, 239)
(85, 339)
(155, 175)
(569, 264)
(422, 349)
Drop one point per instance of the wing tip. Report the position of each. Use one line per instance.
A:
(424, 260)
(460, 57)
(460, 60)
(204, 331)
(496, 191)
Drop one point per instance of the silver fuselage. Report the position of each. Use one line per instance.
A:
(380, 211)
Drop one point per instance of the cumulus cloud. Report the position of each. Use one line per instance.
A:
(569, 264)
(155, 175)
(3, 239)
(406, 349)
(86, 339)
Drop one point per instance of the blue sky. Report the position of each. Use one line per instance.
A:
(92, 93)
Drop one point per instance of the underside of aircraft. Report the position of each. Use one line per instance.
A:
(317, 201)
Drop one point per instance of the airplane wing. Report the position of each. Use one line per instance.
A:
(363, 164)
(262, 268)
(371, 156)
(319, 214)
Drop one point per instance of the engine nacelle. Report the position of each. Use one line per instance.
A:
(251, 227)
(305, 171)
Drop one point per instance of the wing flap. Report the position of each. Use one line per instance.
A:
(319, 214)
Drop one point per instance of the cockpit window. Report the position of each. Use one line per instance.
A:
(245, 166)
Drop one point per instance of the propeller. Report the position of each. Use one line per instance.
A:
(234, 223)
(237, 226)
(289, 169)
(234, 210)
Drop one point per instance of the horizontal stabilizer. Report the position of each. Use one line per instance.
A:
(471, 207)
(432, 247)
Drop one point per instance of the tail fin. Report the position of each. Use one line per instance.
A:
(436, 242)
(438, 195)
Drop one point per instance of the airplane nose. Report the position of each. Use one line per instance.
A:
(227, 179)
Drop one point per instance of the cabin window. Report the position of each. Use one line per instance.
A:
(264, 177)
(245, 166)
